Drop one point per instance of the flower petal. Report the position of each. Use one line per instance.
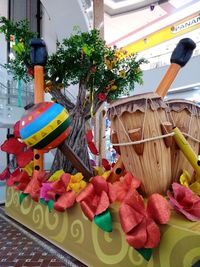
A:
(12, 146)
(24, 158)
(158, 208)
(88, 210)
(153, 234)
(129, 218)
(103, 203)
(137, 238)
(86, 193)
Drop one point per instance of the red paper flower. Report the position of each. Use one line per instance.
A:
(16, 130)
(33, 188)
(95, 198)
(185, 201)
(13, 146)
(122, 187)
(65, 201)
(90, 142)
(105, 163)
(24, 157)
(5, 174)
(101, 96)
(30, 71)
(139, 223)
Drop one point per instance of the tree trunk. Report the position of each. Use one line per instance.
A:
(77, 138)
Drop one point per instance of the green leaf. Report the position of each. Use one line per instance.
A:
(42, 201)
(146, 253)
(86, 50)
(104, 221)
(22, 196)
(50, 205)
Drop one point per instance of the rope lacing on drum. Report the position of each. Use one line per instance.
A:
(130, 142)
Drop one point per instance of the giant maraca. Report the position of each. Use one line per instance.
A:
(44, 126)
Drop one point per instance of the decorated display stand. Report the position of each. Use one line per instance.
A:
(110, 215)
(75, 234)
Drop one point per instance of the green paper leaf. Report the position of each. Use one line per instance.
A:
(104, 221)
(22, 196)
(50, 205)
(146, 253)
(86, 50)
(42, 201)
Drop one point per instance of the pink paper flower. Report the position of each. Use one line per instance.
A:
(185, 201)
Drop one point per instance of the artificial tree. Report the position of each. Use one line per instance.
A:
(102, 74)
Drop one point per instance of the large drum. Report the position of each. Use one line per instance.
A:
(140, 123)
(185, 115)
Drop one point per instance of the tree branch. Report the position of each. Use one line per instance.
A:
(96, 105)
(62, 99)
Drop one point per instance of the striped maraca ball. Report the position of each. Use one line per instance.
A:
(45, 125)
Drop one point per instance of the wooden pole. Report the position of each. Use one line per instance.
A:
(38, 56)
(38, 97)
(99, 121)
(179, 58)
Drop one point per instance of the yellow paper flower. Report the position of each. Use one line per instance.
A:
(29, 168)
(56, 175)
(106, 174)
(188, 181)
(113, 87)
(98, 170)
(185, 178)
(76, 183)
(122, 74)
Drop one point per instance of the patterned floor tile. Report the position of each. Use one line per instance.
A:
(19, 247)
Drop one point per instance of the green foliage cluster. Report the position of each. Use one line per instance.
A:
(82, 58)
(85, 57)
(19, 35)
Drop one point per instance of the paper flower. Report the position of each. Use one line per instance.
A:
(24, 157)
(122, 187)
(95, 198)
(139, 223)
(65, 201)
(90, 142)
(76, 183)
(33, 188)
(13, 146)
(56, 176)
(185, 201)
(5, 174)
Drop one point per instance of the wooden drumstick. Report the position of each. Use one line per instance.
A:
(38, 60)
(179, 58)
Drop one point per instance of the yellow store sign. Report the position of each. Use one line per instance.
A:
(177, 29)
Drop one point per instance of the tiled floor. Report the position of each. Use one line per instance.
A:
(21, 247)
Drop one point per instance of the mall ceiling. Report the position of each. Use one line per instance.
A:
(128, 17)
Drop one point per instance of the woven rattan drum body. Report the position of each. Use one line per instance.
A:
(141, 117)
(186, 116)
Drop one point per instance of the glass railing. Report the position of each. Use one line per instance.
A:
(15, 93)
